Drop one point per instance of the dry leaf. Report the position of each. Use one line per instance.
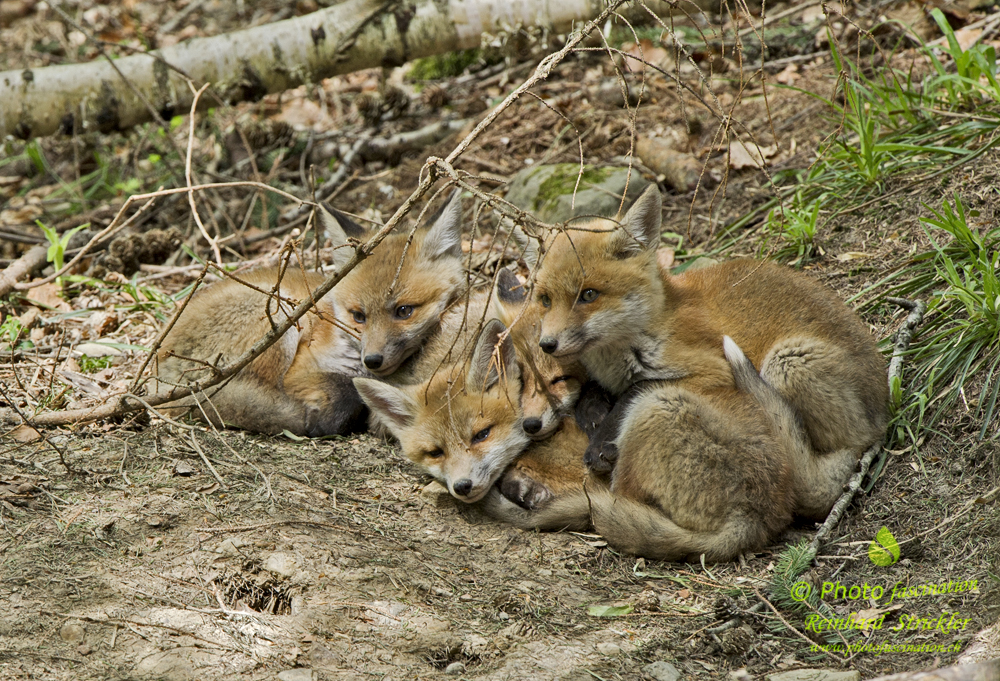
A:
(852, 255)
(25, 434)
(646, 51)
(788, 75)
(967, 37)
(742, 156)
(48, 295)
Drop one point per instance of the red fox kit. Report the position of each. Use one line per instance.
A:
(703, 464)
(462, 425)
(303, 382)
(550, 387)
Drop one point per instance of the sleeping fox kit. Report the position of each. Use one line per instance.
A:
(391, 304)
(747, 391)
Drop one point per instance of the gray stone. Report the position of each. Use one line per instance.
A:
(455, 668)
(300, 674)
(661, 671)
(609, 649)
(72, 632)
(815, 675)
(281, 564)
(547, 191)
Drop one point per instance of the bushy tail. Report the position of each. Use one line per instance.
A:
(787, 424)
(632, 527)
(819, 478)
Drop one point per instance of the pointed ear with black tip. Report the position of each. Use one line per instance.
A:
(491, 357)
(338, 228)
(444, 236)
(391, 406)
(510, 291)
(526, 244)
(641, 224)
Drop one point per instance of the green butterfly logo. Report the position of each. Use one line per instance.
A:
(883, 551)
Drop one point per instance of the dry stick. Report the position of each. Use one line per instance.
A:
(34, 259)
(214, 243)
(428, 175)
(149, 198)
(792, 628)
(201, 453)
(110, 621)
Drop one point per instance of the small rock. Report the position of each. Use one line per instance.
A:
(547, 190)
(96, 350)
(815, 675)
(231, 546)
(281, 564)
(435, 494)
(455, 668)
(661, 671)
(300, 674)
(83, 648)
(72, 632)
(740, 675)
(609, 649)
(184, 469)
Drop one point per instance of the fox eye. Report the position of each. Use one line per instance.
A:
(559, 379)
(404, 311)
(588, 295)
(359, 316)
(481, 435)
(434, 454)
(545, 300)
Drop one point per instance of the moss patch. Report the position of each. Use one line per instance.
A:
(563, 180)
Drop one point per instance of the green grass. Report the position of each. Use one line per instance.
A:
(961, 337)
(896, 128)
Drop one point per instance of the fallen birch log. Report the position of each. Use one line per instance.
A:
(248, 64)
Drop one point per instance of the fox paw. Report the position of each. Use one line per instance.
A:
(601, 457)
(524, 491)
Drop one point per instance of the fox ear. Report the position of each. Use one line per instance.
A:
(642, 223)
(510, 291)
(338, 228)
(485, 369)
(444, 237)
(527, 245)
(390, 404)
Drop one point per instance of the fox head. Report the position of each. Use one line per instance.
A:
(462, 426)
(394, 298)
(597, 282)
(549, 386)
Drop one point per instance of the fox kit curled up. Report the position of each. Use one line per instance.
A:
(302, 383)
(705, 463)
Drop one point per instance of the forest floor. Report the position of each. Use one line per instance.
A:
(146, 548)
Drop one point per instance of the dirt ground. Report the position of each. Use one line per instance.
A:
(161, 550)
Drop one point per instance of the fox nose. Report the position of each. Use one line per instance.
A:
(373, 361)
(548, 344)
(532, 425)
(463, 487)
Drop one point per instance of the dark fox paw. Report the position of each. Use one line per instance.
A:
(523, 490)
(601, 457)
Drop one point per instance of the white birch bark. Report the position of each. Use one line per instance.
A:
(248, 64)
